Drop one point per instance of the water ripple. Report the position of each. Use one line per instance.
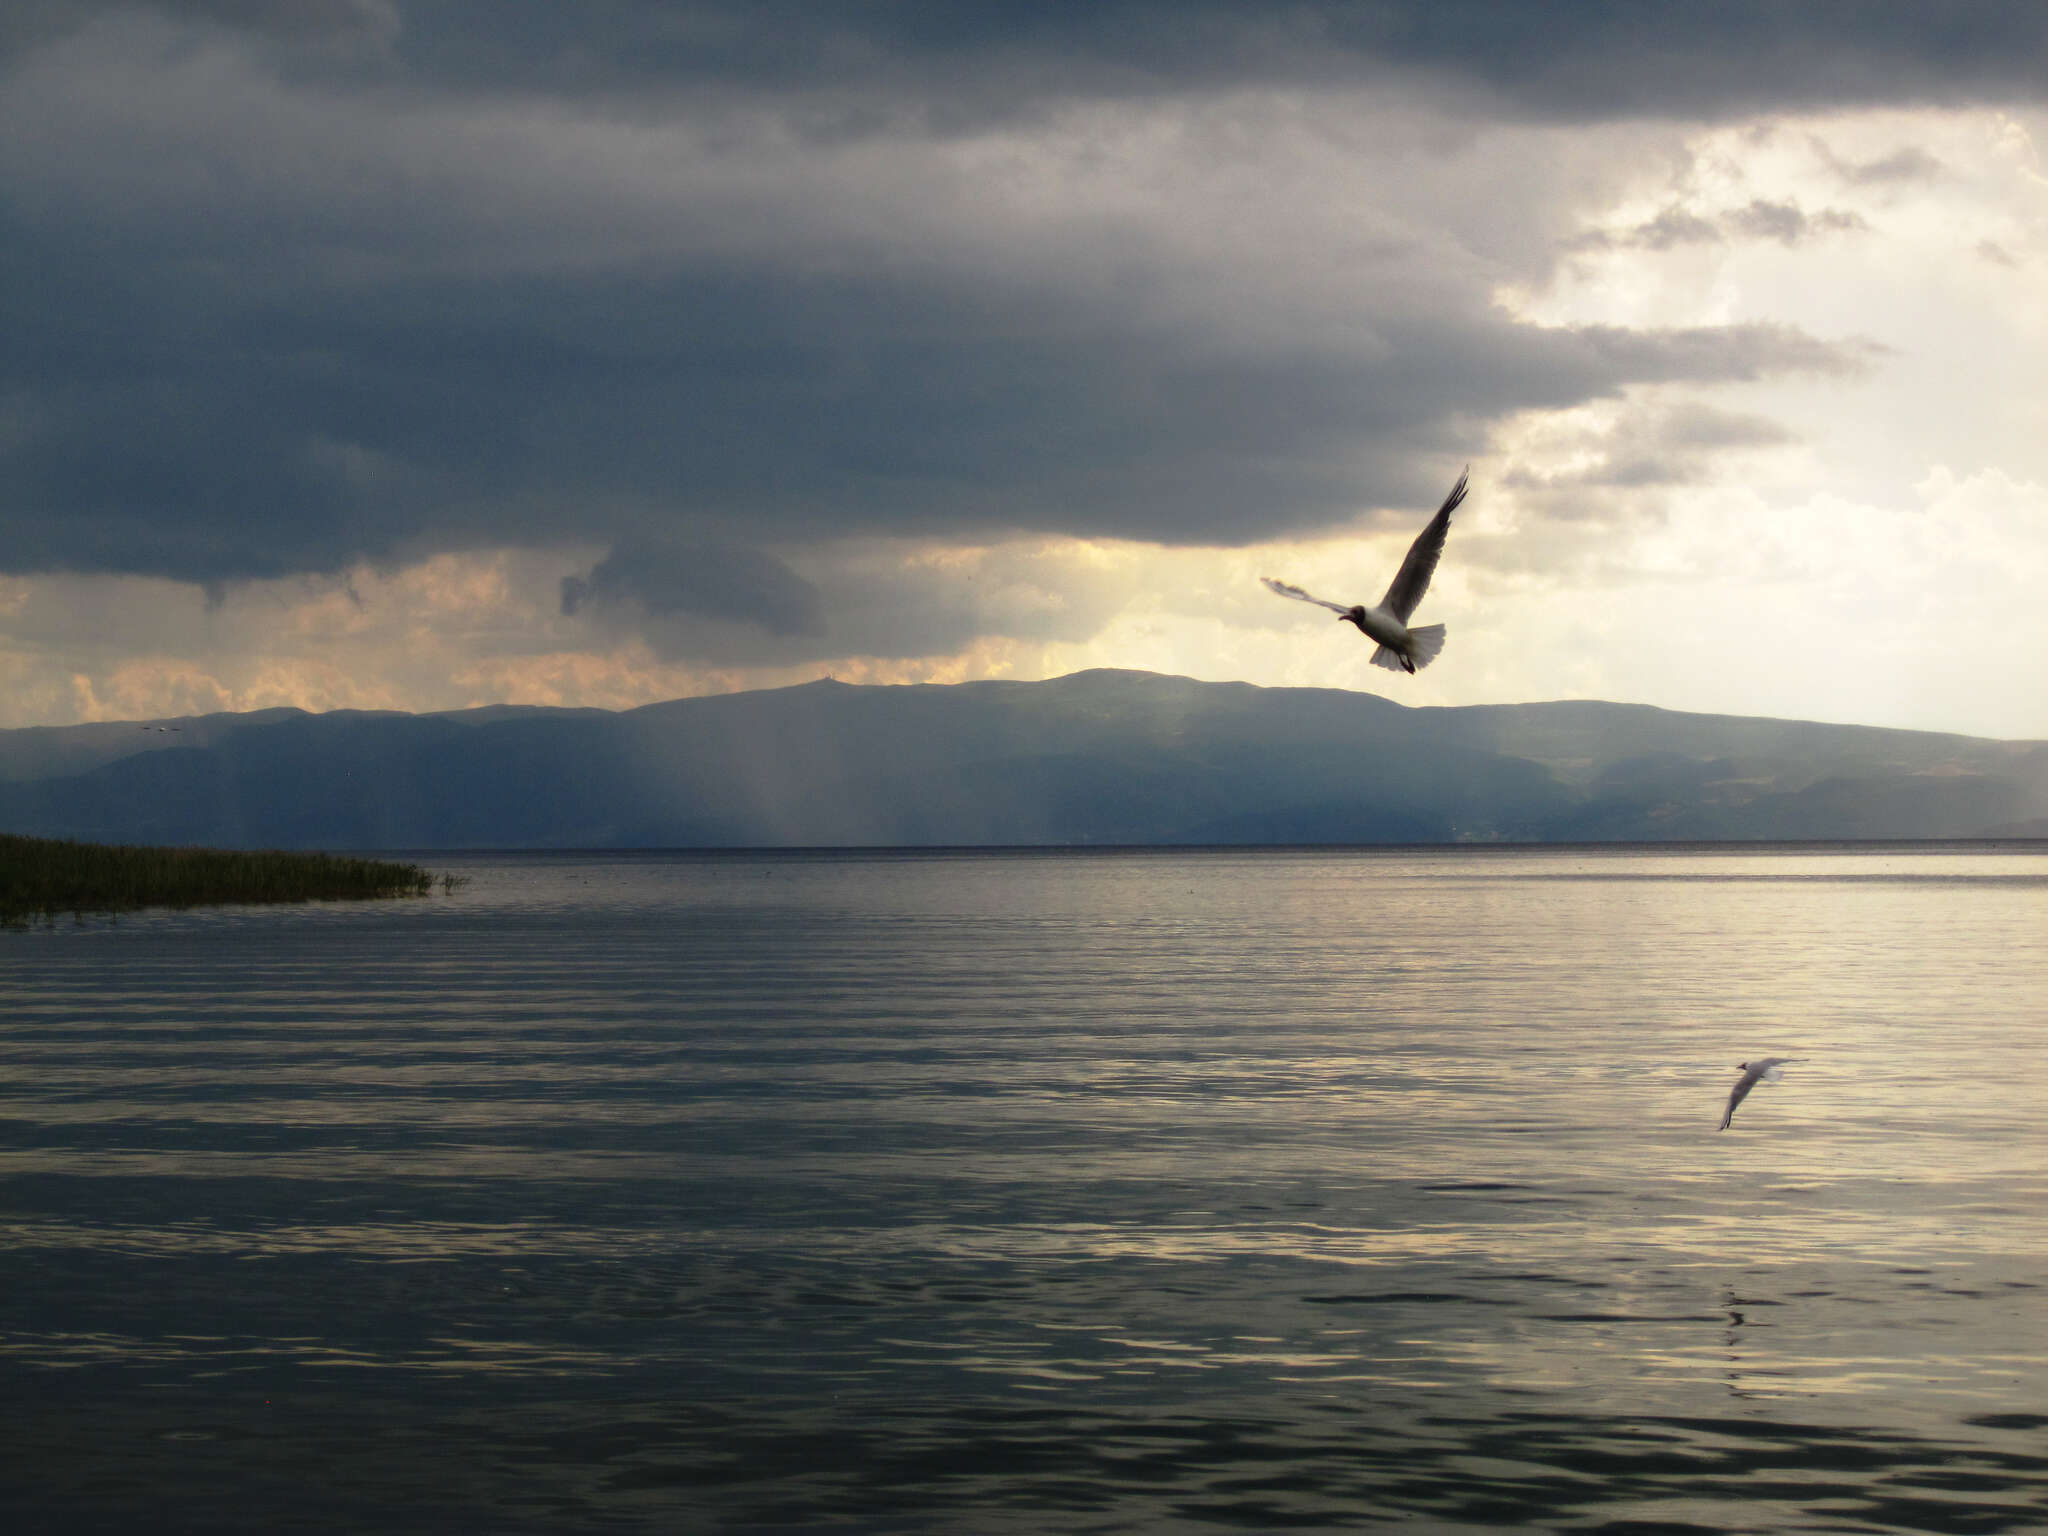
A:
(1119, 1192)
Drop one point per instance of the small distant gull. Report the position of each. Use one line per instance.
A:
(1401, 649)
(1753, 1072)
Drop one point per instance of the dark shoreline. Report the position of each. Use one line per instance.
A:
(40, 877)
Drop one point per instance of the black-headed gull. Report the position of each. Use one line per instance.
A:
(1401, 649)
(1753, 1072)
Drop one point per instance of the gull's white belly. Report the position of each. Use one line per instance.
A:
(1385, 628)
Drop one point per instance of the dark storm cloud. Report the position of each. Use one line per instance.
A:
(24, 23)
(717, 581)
(726, 605)
(288, 286)
(963, 60)
(717, 404)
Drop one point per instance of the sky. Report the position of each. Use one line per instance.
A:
(391, 355)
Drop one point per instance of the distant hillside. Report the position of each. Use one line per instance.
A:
(1101, 757)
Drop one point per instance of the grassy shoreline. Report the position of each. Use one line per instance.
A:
(40, 877)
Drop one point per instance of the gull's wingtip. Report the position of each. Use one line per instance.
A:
(1457, 491)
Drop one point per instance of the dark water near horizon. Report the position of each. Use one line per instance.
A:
(1134, 1191)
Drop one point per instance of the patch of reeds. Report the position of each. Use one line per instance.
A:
(40, 877)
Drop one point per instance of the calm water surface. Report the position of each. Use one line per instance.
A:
(1020, 1192)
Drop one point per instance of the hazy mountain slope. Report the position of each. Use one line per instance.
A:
(55, 751)
(1099, 757)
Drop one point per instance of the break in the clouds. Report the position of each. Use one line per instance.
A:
(733, 327)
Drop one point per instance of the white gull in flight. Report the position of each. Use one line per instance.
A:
(1401, 649)
(1753, 1072)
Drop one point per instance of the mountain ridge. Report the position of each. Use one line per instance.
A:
(1099, 757)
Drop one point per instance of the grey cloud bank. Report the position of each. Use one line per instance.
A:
(1786, 223)
(726, 605)
(968, 59)
(290, 287)
(716, 581)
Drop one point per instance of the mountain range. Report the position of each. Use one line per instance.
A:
(1097, 758)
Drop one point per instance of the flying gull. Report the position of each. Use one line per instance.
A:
(1401, 649)
(1769, 1070)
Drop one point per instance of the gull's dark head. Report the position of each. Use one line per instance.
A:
(1355, 614)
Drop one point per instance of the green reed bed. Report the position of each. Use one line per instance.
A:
(40, 877)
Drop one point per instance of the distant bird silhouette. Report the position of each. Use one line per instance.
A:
(1753, 1072)
(1401, 649)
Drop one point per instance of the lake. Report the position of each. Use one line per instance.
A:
(1013, 1192)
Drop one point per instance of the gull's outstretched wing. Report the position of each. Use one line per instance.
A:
(1423, 554)
(1740, 1092)
(1769, 1070)
(1284, 590)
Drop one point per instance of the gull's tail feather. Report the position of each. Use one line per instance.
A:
(1424, 646)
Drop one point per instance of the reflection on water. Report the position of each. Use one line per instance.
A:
(1103, 1191)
